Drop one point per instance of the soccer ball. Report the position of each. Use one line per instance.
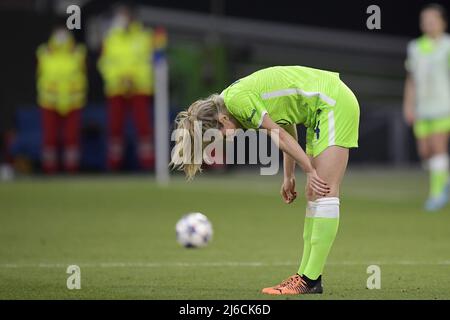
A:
(194, 230)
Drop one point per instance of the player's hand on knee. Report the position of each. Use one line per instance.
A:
(316, 185)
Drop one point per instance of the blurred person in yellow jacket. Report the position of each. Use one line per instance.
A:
(126, 67)
(61, 93)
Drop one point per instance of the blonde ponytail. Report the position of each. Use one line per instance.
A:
(204, 113)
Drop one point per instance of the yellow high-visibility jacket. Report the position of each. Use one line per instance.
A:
(126, 61)
(61, 76)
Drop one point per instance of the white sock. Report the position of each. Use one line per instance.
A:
(439, 162)
(324, 208)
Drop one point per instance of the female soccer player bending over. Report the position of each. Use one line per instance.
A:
(277, 99)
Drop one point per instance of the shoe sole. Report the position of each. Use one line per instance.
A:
(279, 293)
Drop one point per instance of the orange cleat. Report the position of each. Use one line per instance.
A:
(295, 285)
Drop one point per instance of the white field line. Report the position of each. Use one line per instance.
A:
(210, 264)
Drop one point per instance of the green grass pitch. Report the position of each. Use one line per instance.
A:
(120, 231)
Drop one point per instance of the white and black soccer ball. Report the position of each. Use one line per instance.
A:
(194, 230)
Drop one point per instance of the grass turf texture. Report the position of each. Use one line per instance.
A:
(120, 231)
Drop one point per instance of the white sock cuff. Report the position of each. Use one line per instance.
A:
(329, 201)
(311, 204)
(323, 208)
(310, 208)
(439, 162)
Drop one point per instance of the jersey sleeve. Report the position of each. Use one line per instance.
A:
(248, 108)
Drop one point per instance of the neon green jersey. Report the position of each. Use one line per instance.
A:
(288, 94)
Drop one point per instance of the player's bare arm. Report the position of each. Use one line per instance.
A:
(290, 146)
(408, 100)
(288, 191)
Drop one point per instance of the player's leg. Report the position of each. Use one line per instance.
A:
(424, 151)
(432, 145)
(422, 133)
(331, 165)
(71, 135)
(320, 227)
(116, 123)
(307, 232)
(438, 164)
(310, 208)
(141, 115)
(335, 130)
(50, 125)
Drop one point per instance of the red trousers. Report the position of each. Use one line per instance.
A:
(118, 108)
(58, 130)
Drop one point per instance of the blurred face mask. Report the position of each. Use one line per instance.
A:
(61, 37)
(120, 21)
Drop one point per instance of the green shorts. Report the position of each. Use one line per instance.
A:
(336, 125)
(427, 127)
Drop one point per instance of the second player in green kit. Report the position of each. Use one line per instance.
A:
(427, 101)
(278, 99)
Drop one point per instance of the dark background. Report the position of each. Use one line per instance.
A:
(23, 28)
(399, 17)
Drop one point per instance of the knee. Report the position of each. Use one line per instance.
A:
(424, 153)
(309, 196)
(424, 150)
(334, 193)
(439, 146)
